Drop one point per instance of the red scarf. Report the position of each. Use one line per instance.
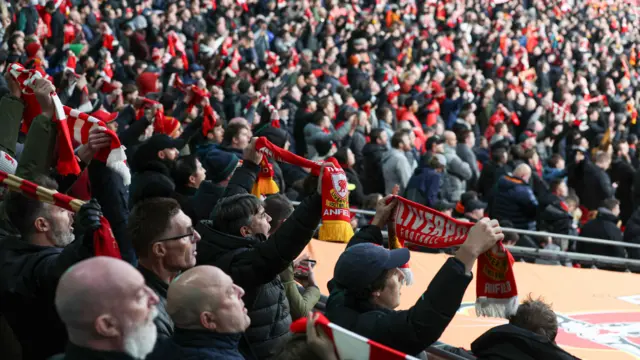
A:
(67, 163)
(104, 243)
(497, 295)
(336, 219)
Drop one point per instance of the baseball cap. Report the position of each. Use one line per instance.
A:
(435, 139)
(104, 116)
(474, 204)
(443, 205)
(359, 265)
(148, 150)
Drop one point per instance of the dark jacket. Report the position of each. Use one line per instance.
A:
(489, 176)
(592, 184)
(29, 273)
(509, 342)
(622, 173)
(602, 227)
(372, 177)
(554, 217)
(410, 331)
(163, 322)
(632, 234)
(198, 345)
(356, 196)
(513, 200)
(424, 186)
(74, 352)
(254, 264)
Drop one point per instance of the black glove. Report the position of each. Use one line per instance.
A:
(87, 220)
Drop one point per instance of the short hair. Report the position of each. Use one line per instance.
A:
(23, 211)
(184, 167)
(601, 157)
(537, 317)
(278, 207)
(498, 127)
(572, 198)
(317, 117)
(378, 284)
(375, 134)
(555, 184)
(498, 154)
(528, 153)
(296, 348)
(397, 137)
(463, 135)
(555, 159)
(232, 131)
(149, 219)
(610, 203)
(233, 212)
(13, 40)
(342, 155)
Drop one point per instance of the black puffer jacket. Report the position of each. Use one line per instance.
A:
(254, 264)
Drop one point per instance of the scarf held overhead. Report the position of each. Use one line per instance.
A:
(336, 217)
(104, 243)
(497, 295)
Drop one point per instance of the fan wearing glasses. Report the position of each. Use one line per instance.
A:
(165, 243)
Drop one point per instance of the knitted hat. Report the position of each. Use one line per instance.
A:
(76, 48)
(147, 83)
(219, 165)
(32, 49)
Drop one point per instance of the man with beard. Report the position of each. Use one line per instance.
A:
(165, 242)
(107, 319)
(152, 164)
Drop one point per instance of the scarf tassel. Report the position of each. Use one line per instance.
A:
(335, 231)
(265, 185)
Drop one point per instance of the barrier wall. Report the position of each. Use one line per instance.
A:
(598, 311)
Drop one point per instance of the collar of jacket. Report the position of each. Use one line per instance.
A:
(186, 190)
(206, 339)
(606, 214)
(154, 282)
(515, 179)
(75, 352)
(16, 242)
(215, 243)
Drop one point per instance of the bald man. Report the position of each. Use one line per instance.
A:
(514, 199)
(107, 309)
(209, 316)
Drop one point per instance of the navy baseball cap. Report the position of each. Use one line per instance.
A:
(359, 265)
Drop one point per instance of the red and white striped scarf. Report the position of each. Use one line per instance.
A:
(71, 124)
(67, 163)
(80, 125)
(349, 345)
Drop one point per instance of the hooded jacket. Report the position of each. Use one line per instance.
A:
(455, 179)
(254, 263)
(509, 342)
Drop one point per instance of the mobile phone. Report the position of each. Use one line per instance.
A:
(302, 270)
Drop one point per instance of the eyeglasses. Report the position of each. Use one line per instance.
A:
(191, 236)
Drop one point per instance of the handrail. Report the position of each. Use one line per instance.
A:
(532, 233)
(563, 256)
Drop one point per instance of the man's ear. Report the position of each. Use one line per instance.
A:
(161, 154)
(158, 249)
(207, 320)
(41, 224)
(245, 231)
(107, 326)
(192, 179)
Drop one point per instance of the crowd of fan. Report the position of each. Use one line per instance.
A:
(525, 112)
